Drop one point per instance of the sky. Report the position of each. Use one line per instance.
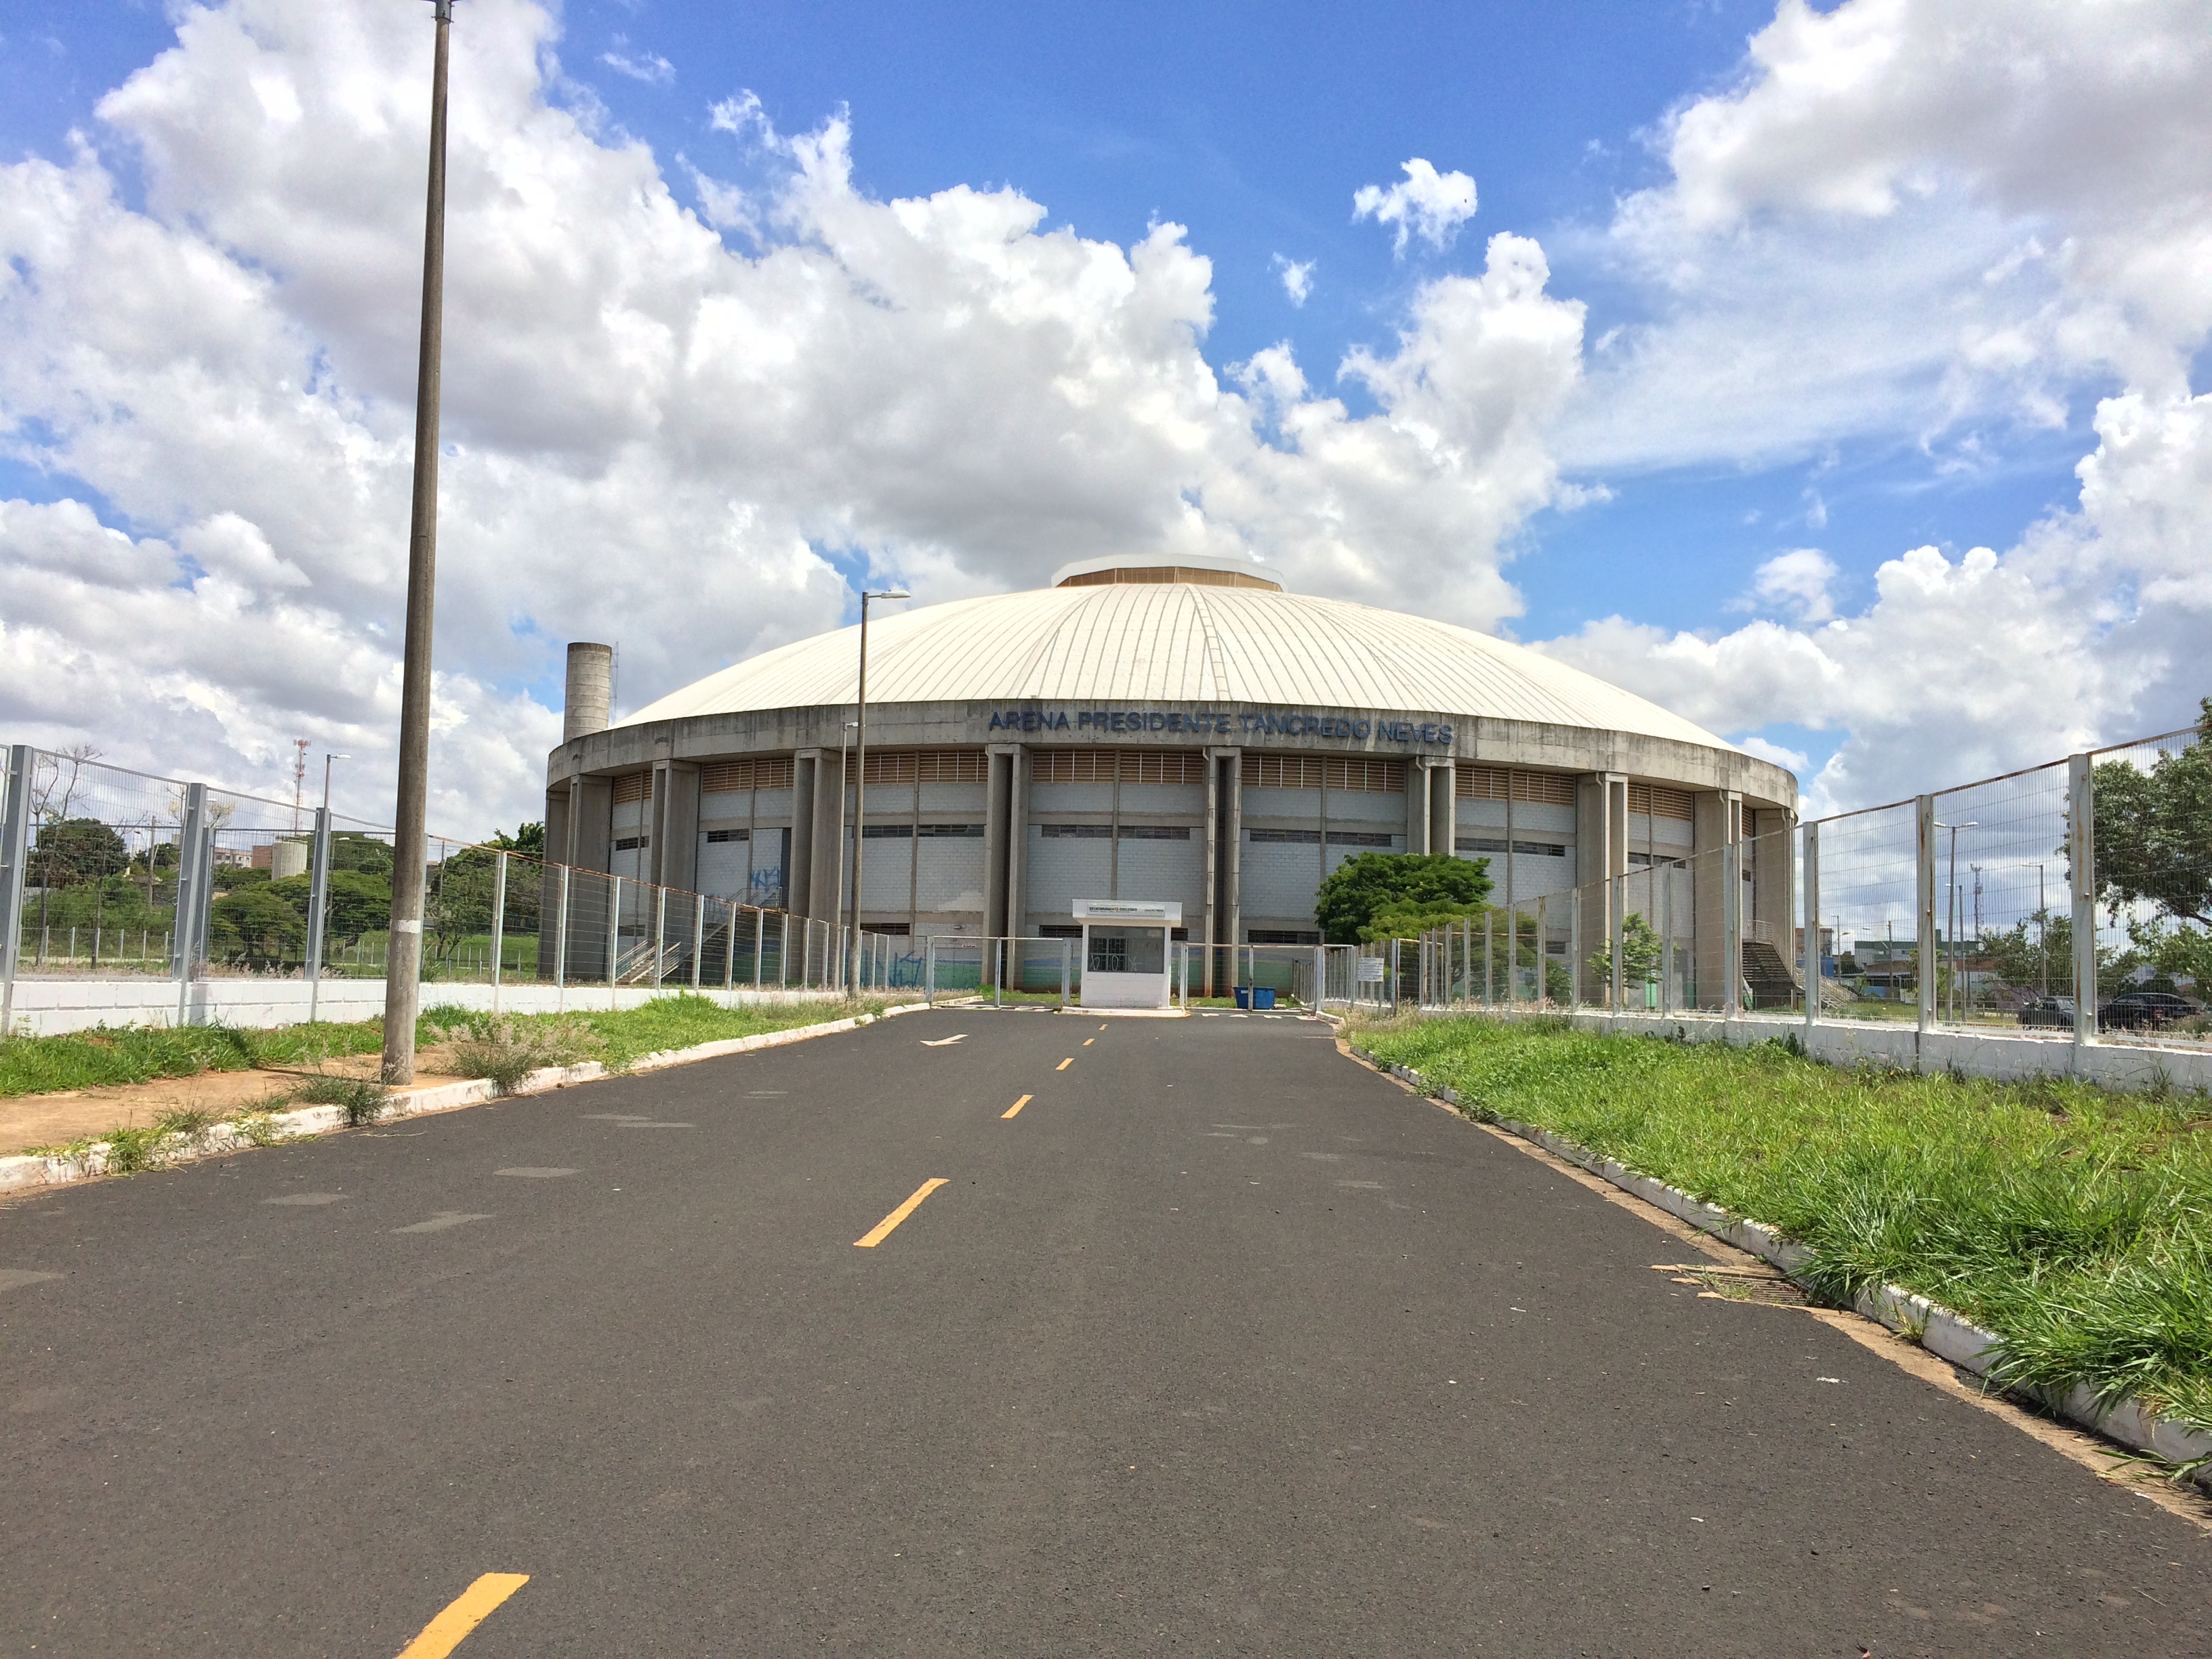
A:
(1834, 376)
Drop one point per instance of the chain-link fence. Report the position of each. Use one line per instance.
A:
(2073, 898)
(110, 874)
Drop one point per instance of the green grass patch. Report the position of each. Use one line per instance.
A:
(2074, 1222)
(111, 1054)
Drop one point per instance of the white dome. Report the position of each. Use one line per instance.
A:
(1175, 643)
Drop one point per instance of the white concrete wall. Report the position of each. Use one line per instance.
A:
(48, 1008)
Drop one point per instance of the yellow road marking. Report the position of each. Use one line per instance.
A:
(1016, 1107)
(882, 1230)
(1087, 1041)
(1064, 1064)
(469, 1609)
(1101, 1027)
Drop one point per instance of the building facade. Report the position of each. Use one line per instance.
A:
(1189, 734)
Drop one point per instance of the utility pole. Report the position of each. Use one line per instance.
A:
(403, 958)
(299, 779)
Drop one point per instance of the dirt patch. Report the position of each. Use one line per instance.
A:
(28, 1122)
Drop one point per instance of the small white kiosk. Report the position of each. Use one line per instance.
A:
(1125, 952)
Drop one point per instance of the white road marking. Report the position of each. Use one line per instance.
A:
(13, 1279)
(941, 1042)
(642, 1123)
(440, 1222)
(533, 1172)
(306, 1198)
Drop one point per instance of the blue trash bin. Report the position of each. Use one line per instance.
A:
(1263, 996)
(1243, 996)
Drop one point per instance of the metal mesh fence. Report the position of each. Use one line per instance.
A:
(2148, 936)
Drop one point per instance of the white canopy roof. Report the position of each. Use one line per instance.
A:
(1174, 643)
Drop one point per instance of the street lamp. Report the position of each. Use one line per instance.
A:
(402, 959)
(859, 785)
(327, 758)
(844, 835)
(1971, 824)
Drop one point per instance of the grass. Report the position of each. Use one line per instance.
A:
(111, 1054)
(358, 1100)
(2075, 1222)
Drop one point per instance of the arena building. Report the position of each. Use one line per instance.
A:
(1189, 734)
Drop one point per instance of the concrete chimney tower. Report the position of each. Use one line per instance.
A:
(591, 688)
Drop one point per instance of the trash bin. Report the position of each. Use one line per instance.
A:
(1243, 996)
(1263, 996)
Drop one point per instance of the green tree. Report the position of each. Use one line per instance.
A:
(360, 903)
(458, 902)
(2037, 950)
(253, 928)
(350, 849)
(1362, 887)
(528, 838)
(71, 850)
(1639, 953)
(1411, 920)
(2154, 830)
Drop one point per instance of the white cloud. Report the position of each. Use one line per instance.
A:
(649, 67)
(1935, 221)
(650, 438)
(1426, 204)
(1296, 277)
(1797, 582)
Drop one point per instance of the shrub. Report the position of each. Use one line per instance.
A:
(358, 1100)
(507, 1051)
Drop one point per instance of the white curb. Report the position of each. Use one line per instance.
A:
(1936, 1327)
(28, 1172)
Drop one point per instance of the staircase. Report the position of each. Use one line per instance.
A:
(1775, 984)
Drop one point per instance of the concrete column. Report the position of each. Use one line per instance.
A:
(1224, 825)
(675, 825)
(591, 825)
(1417, 805)
(549, 877)
(1444, 807)
(590, 690)
(1601, 851)
(831, 786)
(2081, 871)
(1716, 820)
(798, 875)
(1772, 833)
(999, 864)
(1018, 842)
(1924, 893)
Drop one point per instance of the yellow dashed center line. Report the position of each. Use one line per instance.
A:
(1064, 1064)
(883, 1229)
(470, 1608)
(1087, 1041)
(1016, 1107)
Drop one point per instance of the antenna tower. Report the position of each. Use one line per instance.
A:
(299, 779)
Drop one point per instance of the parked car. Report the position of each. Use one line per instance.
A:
(2145, 1011)
(2057, 1011)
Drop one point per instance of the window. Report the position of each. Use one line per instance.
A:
(631, 843)
(713, 835)
(1102, 765)
(1279, 936)
(1655, 800)
(1060, 930)
(1155, 832)
(1282, 771)
(1284, 837)
(732, 777)
(957, 831)
(636, 787)
(1076, 831)
(887, 832)
(928, 765)
(1540, 849)
(887, 929)
(1361, 838)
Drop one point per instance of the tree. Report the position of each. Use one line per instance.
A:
(1410, 922)
(1360, 888)
(1639, 953)
(254, 927)
(71, 850)
(350, 849)
(460, 900)
(2039, 951)
(360, 903)
(528, 839)
(2154, 830)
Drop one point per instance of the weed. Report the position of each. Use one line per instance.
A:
(186, 1120)
(258, 1128)
(507, 1051)
(358, 1100)
(134, 1151)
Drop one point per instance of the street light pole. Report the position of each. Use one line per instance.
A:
(327, 758)
(844, 826)
(859, 788)
(1952, 951)
(403, 944)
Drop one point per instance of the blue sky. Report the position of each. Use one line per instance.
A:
(1890, 285)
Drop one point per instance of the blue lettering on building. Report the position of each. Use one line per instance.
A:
(1208, 722)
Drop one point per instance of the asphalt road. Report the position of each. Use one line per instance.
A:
(1222, 1344)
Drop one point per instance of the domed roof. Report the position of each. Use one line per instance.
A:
(1174, 641)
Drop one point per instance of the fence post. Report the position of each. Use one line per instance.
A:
(614, 940)
(1066, 972)
(929, 969)
(498, 925)
(1812, 951)
(2082, 863)
(1732, 925)
(730, 947)
(561, 945)
(318, 902)
(192, 875)
(998, 973)
(760, 943)
(1667, 954)
(659, 934)
(698, 935)
(1616, 888)
(1924, 858)
(15, 849)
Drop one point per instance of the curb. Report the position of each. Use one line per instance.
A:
(30, 1172)
(1933, 1326)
